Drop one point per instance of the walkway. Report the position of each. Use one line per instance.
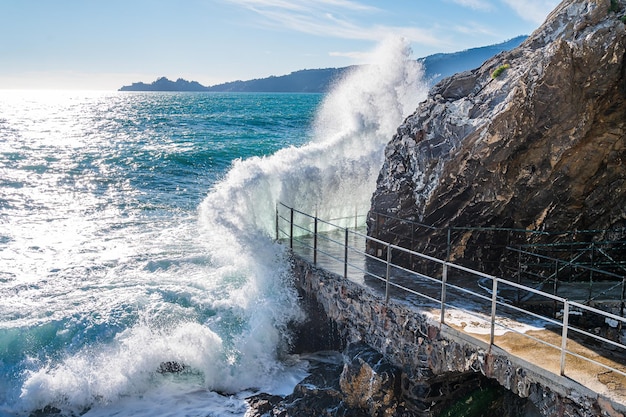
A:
(465, 303)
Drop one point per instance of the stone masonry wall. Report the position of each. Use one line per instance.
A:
(426, 352)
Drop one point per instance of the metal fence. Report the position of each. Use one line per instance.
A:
(449, 286)
(594, 261)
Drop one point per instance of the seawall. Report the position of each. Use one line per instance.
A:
(427, 353)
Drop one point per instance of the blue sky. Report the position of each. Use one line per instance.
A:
(104, 44)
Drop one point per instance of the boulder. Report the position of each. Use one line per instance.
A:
(533, 139)
(369, 382)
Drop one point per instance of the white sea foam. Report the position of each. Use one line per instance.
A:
(480, 323)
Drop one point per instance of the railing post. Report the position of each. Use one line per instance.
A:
(444, 281)
(556, 277)
(291, 229)
(376, 225)
(593, 250)
(345, 263)
(564, 334)
(519, 273)
(412, 247)
(494, 303)
(621, 309)
(388, 273)
(556, 282)
(315, 241)
(276, 221)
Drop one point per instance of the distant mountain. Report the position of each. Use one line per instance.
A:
(163, 84)
(436, 67)
(303, 81)
(439, 66)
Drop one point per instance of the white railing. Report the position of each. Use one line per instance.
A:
(447, 285)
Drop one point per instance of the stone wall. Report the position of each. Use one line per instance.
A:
(432, 358)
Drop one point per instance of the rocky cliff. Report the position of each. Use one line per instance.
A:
(533, 139)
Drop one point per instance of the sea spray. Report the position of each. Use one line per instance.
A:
(234, 347)
(334, 173)
(337, 170)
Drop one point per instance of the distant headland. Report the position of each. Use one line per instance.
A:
(436, 67)
(163, 84)
(303, 81)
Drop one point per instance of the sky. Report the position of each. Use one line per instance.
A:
(105, 44)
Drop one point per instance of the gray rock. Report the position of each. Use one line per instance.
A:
(540, 146)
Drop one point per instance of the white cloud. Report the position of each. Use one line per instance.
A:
(305, 5)
(473, 28)
(332, 18)
(475, 4)
(354, 55)
(347, 4)
(534, 11)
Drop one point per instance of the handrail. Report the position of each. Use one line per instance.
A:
(564, 262)
(604, 263)
(501, 229)
(343, 248)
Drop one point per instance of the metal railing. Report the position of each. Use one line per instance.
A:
(449, 286)
(588, 258)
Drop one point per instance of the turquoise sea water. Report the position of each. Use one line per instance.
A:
(99, 247)
(136, 229)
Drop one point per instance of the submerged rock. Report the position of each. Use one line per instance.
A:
(363, 383)
(533, 139)
(369, 382)
(316, 395)
(359, 383)
(172, 367)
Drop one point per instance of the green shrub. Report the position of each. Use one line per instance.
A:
(499, 70)
(614, 6)
(623, 19)
(475, 404)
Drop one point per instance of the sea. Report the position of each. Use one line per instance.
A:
(137, 235)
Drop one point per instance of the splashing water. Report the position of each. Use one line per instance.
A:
(335, 171)
(338, 169)
(228, 328)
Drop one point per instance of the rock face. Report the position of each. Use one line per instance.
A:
(370, 382)
(533, 139)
